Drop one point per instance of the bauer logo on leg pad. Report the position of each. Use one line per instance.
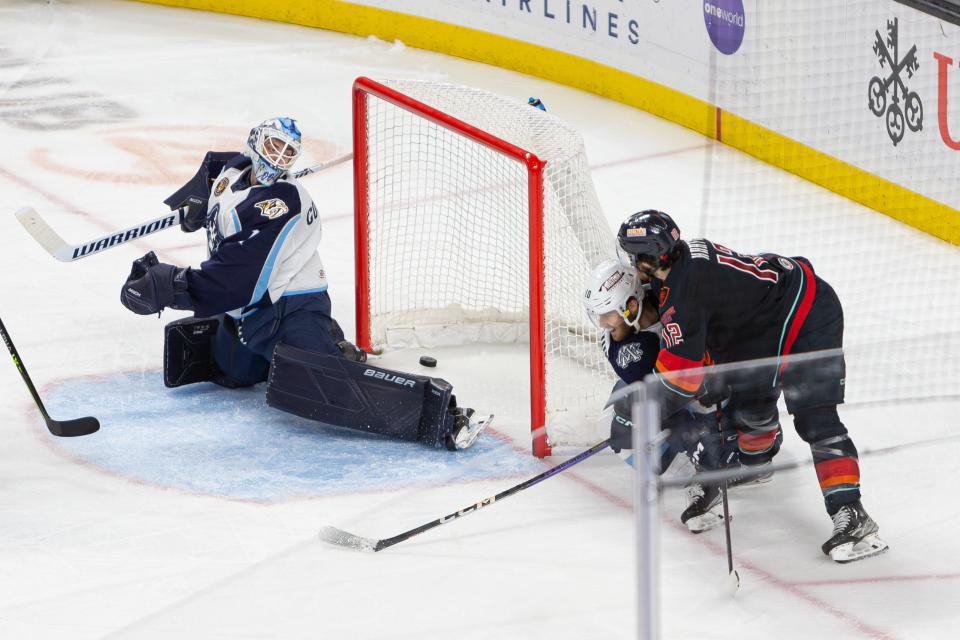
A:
(389, 377)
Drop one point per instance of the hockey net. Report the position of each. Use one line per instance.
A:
(477, 222)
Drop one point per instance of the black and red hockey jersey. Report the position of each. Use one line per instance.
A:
(733, 306)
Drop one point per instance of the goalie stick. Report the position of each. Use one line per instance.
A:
(333, 535)
(62, 250)
(62, 428)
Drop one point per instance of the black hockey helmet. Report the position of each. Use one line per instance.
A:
(652, 236)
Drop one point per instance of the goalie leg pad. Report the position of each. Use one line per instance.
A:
(353, 395)
(188, 351)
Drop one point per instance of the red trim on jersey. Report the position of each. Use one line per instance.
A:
(752, 269)
(801, 316)
(674, 370)
(838, 471)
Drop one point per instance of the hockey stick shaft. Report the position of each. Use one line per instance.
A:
(23, 370)
(337, 536)
(67, 428)
(323, 165)
(724, 485)
(60, 249)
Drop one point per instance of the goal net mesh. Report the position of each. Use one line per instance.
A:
(448, 240)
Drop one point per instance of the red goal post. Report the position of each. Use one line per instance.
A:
(459, 167)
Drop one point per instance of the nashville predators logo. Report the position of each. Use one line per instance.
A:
(221, 186)
(273, 208)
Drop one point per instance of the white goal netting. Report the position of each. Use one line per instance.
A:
(449, 239)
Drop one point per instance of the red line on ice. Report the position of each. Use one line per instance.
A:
(792, 588)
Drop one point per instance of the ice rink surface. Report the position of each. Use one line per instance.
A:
(194, 512)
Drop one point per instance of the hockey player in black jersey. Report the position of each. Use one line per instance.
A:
(261, 308)
(625, 311)
(742, 307)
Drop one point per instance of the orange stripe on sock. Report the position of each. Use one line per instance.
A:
(838, 471)
(838, 480)
(756, 442)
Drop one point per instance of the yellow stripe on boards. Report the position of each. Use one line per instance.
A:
(778, 150)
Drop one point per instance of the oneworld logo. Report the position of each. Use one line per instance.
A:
(725, 24)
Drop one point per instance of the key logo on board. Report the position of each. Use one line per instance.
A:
(892, 86)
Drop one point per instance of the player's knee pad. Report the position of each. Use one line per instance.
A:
(188, 351)
(353, 395)
(759, 436)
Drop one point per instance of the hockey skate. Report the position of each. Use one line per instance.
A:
(854, 535)
(467, 427)
(754, 475)
(703, 512)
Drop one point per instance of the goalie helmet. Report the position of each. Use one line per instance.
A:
(609, 288)
(273, 146)
(649, 236)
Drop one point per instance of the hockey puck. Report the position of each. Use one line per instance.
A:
(428, 361)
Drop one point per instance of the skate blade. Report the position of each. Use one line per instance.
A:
(705, 522)
(756, 481)
(468, 436)
(868, 547)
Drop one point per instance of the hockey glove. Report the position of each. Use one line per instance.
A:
(196, 214)
(153, 286)
(621, 426)
(714, 391)
(351, 351)
(536, 103)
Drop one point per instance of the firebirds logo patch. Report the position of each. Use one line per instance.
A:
(273, 208)
(664, 293)
(221, 186)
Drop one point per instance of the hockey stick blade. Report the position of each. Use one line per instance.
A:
(65, 428)
(343, 538)
(63, 251)
(73, 428)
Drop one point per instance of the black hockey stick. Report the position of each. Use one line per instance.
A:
(63, 428)
(724, 485)
(63, 251)
(333, 535)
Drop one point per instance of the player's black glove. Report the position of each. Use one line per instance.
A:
(351, 351)
(713, 391)
(621, 426)
(153, 286)
(196, 215)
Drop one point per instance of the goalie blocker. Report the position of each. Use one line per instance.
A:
(335, 390)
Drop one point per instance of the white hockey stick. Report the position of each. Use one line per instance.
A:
(62, 250)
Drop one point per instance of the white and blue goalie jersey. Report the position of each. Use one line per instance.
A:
(262, 241)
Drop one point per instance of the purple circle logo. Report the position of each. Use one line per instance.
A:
(724, 20)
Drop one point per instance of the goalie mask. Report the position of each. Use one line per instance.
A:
(273, 146)
(609, 289)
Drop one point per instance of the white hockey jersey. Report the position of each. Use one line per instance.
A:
(262, 244)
